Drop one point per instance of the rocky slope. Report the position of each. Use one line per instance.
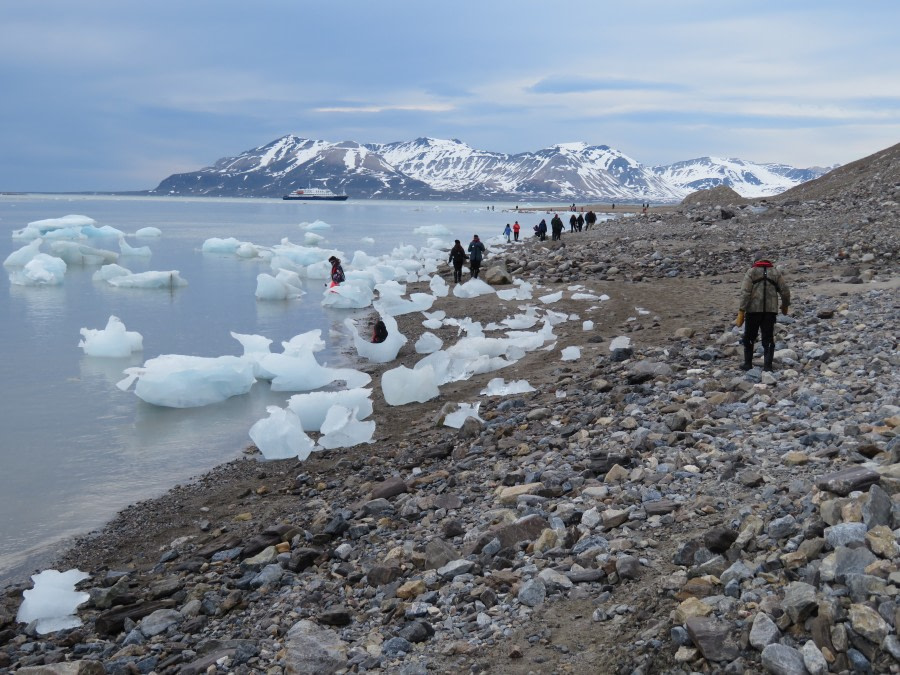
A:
(650, 509)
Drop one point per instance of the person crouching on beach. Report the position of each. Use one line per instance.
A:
(457, 258)
(476, 253)
(337, 271)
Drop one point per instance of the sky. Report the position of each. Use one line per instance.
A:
(109, 95)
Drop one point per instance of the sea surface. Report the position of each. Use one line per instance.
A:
(75, 449)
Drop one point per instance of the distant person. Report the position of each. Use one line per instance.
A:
(476, 254)
(516, 228)
(556, 226)
(762, 285)
(589, 220)
(379, 332)
(573, 222)
(457, 258)
(337, 271)
(579, 223)
(507, 231)
(542, 229)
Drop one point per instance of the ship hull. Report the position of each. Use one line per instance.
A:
(309, 198)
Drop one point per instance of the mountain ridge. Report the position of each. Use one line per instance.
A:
(431, 168)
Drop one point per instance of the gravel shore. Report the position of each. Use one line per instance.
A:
(652, 509)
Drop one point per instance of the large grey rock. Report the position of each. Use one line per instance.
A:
(799, 601)
(533, 592)
(845, 481)
(496, 276)
(159, 621)
(311, 650)
(66, 668)
(783, 660)
(712, 638)
(764, 631)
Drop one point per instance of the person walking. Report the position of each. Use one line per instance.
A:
(337, 271)
(589, 219)
(542, 229)
(476, 253)
(573, 222)
(457, 258)
(760, 290)
(516, 228)
(507, 232)
(579, 225)
(556, 225)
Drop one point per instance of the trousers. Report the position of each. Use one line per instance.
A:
(760, 322)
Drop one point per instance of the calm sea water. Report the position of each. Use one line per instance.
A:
(74, 448)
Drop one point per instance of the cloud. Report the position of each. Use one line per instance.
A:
(370, 109)
(574, 85)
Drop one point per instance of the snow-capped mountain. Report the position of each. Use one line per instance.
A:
(429, 168)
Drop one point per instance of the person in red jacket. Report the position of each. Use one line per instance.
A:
(516, 228)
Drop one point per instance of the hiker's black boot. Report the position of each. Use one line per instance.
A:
(768, 356)
(748, 357)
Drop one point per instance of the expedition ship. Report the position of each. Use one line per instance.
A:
(315, 194)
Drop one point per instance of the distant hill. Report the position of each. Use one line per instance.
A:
(428, 168)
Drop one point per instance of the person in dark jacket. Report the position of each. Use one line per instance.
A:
(457, 258)
(573, 222)
(556, 226)
(579, 223)
(589, 219)
(542, 230)
(337, 271)
(476, 253)
(760, 291)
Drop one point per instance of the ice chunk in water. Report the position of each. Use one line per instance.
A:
(281, 435)
(403, 385)
(367, 240)
(133, 251)
(228, 245)
(457, 418)
(497, 387)
(342, 429)
(108, 272)
(472, 289)
(312, 239)
(428, 343)
(148, 232)
(53, 601)
(298, 370)
(111, 342)
(41, 270)
(571, 353)
(169, 279)
(433, 230)
(277, 288)
(75, 253)
(378, 352)
(22, 256)
(352, 294)
(177, 381)
(312, 408)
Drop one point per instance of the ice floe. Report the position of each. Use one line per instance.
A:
(112, 342)
(53, 601)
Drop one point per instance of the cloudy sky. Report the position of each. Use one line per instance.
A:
(113, 95)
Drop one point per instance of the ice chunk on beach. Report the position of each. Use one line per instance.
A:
(621, 342)
(458, 417)
(178, 381)
(41, 270)
(281, 435)
(312, 408)
(439, 287)
(497, 387)
(434, 320)
(585, 296)
(472, 289)
(279, 287)
(587, 325)
(571, 353)
(148, 232)
(298, 370)
(551, 297)
(168, 279)
(21, 257)
(396, 306)
(82, 254)
(113, 342)
(53, 601)
(133, 251)
(428, 343)
(523, 291)
(343, 429)
(378, 352)
(351, 294)
(403, 385)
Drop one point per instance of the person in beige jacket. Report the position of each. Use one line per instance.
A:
(762, 291)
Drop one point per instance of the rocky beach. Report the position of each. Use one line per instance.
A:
(649, 508)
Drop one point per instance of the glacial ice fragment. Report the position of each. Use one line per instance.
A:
(178, 381)
(112, 342)
(281, 435)
(53, 601)
(378, 352)
(571, 353)
(41, 270)
(403, 385)
(428, 343)
(342, 429)
(311, 408)
(457, 418)
(497, 387)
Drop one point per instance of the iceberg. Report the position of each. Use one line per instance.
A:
(169, 279)
(343, 429)
(227, 245)
(113, 342)
(82, 254)
(403, 385)
(38, 228)
(472, 289)
(281, 435)
(497, 387)
(368, 240)
(148, 232)
(108, 272)
(428, 343)
(177, 381)
(457, 418)
(302, 372)
(312, 408)
(315, 225)
(41, 270)
(281, 287)
(352, 294)
(312, 239)
(378, 352)
(133, 251)
(53, 601)
(24, 255)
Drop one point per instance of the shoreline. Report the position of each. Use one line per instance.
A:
(423, 494)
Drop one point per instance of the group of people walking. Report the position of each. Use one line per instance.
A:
(475, 255)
